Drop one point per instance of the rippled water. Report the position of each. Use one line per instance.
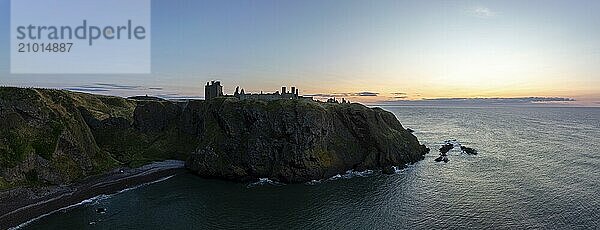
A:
(537, 168)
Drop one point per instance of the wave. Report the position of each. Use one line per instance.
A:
(454, 143)
(398, 170)
(351, 173)
(348, 175)
(263, 182)
(87, 201)
(314, 182)
(404, 168)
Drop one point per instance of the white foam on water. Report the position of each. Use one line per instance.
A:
(87, 201)
(313, 182)
(264, 181)
(348, 175)
(351, 174)
(336, 177)
(454, 142)
(398, 169)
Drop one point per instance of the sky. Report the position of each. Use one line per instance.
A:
(368, 51)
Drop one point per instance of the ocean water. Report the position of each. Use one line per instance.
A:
(537, 167)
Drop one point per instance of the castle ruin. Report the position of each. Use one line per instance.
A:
(284, 94)
(215, 89)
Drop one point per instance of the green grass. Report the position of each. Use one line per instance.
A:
(18, 149)
(4, 184)
(35, 119)
(67, 166)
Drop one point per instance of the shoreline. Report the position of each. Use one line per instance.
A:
(20, 205)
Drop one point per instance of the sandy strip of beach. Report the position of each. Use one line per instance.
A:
(20, 205)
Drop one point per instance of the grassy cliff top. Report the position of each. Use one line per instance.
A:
(51, 136)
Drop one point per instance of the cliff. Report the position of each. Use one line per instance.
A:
(58, 137)
(294, 140)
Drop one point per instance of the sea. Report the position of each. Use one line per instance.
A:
(537, 168)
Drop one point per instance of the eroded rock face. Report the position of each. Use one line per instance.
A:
(295, 141)
(57, 137)
(154, 116)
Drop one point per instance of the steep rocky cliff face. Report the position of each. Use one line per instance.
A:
(57, 137)
(294, 140)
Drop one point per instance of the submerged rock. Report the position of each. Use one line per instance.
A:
(101, 210)
(446, 148)
(388, 170)
(451, 144)
(468, 150)
(442, 158)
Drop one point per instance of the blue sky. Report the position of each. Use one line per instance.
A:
(423, 49)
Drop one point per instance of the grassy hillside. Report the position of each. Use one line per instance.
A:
(57, 136)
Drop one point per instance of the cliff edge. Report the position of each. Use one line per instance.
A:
(58, 137)
(294, 140)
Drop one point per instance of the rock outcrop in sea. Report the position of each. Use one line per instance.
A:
(58, 137)
(449, 145)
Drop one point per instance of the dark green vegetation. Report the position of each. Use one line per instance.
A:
(44, 139)
(58, 137)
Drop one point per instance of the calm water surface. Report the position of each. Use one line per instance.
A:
(537, 168)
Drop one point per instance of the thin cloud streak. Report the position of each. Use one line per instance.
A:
(482, 12)
(355, 94)
(481, 101)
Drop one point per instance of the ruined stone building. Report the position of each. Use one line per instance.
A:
(284, 94)
(213, 89)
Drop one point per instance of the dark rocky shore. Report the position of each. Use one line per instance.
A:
(19, 205)
(53, 138)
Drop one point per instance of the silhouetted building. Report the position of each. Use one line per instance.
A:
(213, 89)
(284, 94)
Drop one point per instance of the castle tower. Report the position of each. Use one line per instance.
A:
(213, 89)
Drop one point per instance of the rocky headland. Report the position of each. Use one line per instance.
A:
(56, 137)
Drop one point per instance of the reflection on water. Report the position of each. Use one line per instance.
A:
(536, 168)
